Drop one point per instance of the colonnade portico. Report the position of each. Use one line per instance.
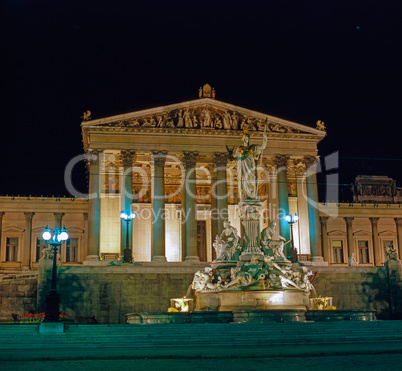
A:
(276, 183)
(200, 133)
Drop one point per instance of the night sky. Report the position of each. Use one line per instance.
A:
(336, 61)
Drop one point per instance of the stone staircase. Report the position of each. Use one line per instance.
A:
(201, 340)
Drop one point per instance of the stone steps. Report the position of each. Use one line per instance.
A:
(20, 336)
(195, 340)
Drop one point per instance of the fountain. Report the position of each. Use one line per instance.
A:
(252, 277)
(251, 280)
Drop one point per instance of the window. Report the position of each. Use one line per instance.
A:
(337, 248)
(12, 249)
(72, 250)
(363, 251)
(40, 245)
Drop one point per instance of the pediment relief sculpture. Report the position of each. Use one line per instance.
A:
(205, 117)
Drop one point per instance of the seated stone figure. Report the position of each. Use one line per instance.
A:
(273, 247)
(228, 243)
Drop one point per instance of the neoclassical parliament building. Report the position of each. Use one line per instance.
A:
(171, 166)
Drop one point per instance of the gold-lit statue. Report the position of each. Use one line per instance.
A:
(320, 125)
(86, 116)
(206, 91)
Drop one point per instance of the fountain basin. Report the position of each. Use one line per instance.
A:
(340, 315)
(151, 318)
(265, 316)
(237, 301)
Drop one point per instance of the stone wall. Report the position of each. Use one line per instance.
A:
(370, 288)
(17, 295)
(109, 292)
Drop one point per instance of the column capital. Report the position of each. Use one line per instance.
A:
(348, 220)
(324, 220)
(29, 216)
(309, 160)
(58, 218)
(2, 214)
(221, 158)
(398, 221)
(127, 157)
(190, 158)
(93, 156)
(374, 221)
(159, 158)
(281, 160)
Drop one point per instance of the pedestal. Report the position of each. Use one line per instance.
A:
(250, 221)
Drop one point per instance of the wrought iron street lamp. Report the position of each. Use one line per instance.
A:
(52, 312)
(127, 255)
(291, 219)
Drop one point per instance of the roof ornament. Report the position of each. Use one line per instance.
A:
(206, 92)
(320, 125)
(86, 116)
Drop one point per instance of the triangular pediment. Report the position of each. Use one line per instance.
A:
(13, 229)
(202, 114)
(387, 233)
(337, 233)
(362, 233)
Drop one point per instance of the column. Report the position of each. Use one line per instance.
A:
(1, 226)
(313, 211)
(221, 189)
(84, 250)
(26, 255)
(349, 232)
(58, 220)
(94, 206)
(378, 254)
(158, 226)
(127, 159)
(398, 222)
(324, 238)
(190, 159)
(302, 212)
(283, 198)
(214, 208)
(272, 194)
(183, 222)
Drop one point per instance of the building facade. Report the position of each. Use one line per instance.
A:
(172, 167)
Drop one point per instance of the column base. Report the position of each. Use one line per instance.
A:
(192, 259)
(92, 260)
(159, 259)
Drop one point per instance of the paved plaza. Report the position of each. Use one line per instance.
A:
(365, 362)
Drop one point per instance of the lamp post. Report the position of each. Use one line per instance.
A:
(291, 219)
(127, 254)
(52, 312)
